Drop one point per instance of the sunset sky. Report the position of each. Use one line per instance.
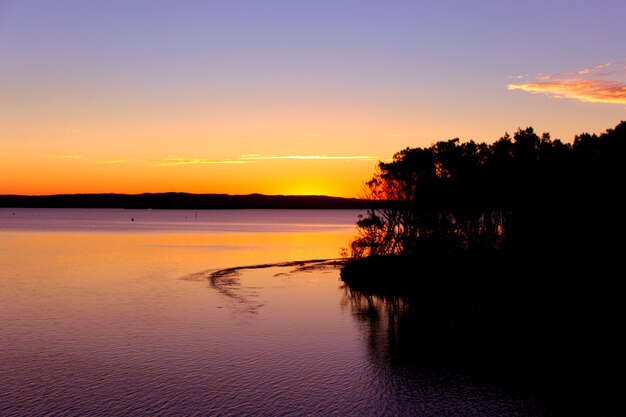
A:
(287, 97)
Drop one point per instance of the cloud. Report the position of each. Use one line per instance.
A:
(310, 157)
(605, 83)
(115, 161)
(69, 156)
(185, 161)
(591, 91)
(594, 69)
(252, 158)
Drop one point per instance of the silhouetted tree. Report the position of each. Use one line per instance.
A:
(523, 193)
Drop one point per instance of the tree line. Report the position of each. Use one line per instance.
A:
(524, 193)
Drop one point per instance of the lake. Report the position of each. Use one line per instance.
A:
(115, 312)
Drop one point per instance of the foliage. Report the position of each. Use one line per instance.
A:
(521, 193)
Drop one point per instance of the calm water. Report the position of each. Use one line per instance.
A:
(101, 315)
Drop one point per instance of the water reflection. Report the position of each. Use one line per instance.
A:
(536, 362)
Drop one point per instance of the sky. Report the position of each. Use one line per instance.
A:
(287, 97)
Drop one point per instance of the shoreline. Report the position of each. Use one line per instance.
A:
(183, 201)
(302, 265)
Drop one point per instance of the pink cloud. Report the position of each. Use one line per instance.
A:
(603, 83)
(591, 91)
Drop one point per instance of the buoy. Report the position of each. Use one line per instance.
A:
(132, 219)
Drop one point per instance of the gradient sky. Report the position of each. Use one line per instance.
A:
(287, 97)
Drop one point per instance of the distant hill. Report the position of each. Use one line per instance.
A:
(182, 201)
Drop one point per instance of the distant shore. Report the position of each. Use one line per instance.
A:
(182, 201)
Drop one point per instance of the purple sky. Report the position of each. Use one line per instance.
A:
(146, 82)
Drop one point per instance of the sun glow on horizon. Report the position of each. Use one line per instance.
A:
(340, 177)
(279, 98)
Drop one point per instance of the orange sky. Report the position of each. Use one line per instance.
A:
(279, 98)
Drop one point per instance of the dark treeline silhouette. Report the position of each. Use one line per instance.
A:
(522, 193)
(508, 256)
(181, 201)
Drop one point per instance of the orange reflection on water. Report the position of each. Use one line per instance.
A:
(80, 293)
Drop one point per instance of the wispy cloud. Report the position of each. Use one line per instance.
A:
(186, 161)
(592, 91)
(597, 68)
(252, 158)
(115, 161)
(309, 157)
(605, 83)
